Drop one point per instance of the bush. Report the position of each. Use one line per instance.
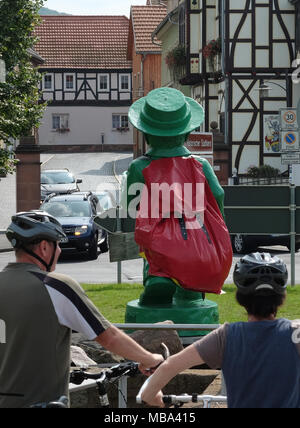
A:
(263, 171)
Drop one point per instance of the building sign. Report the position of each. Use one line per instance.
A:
(271, 134)
(201, 143)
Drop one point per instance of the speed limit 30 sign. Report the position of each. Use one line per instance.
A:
(288, 119)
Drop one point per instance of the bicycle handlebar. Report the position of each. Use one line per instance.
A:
(179, 400)
(77, 377)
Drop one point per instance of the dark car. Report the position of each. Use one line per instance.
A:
(243, 244)
(76, 213)
(59, 181)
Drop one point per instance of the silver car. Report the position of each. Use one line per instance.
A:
(58, 181)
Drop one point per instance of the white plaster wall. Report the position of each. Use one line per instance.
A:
(86, 126)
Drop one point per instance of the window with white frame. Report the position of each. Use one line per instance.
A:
(103, 82)
(124, 83)
(69, 82)
(60, 122)
(120, 121)
(48, 82)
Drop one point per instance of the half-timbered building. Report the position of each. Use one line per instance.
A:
(86, 81)
(233, 48)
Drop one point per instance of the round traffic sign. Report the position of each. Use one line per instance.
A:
(290, 117)
(290, 138)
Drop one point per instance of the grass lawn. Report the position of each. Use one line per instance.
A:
(111, 300)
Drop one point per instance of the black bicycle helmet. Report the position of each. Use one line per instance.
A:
(33, 227)
(260, 272)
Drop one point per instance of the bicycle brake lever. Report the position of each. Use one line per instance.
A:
(165, 354)
(165, 349)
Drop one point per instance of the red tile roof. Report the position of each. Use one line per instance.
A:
(84, 42)
(144, 20)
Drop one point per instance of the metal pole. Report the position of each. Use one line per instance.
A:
(293, 234)
(119, 229)
(122, 394)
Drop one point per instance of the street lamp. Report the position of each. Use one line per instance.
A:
(2, 71)
(264, 90)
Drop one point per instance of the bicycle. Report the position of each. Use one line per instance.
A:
(179, 400)
(108, 377)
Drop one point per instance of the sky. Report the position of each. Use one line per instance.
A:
(93, 7)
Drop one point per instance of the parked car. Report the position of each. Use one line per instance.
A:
(243, 244)
(59, 181)
(76, 212)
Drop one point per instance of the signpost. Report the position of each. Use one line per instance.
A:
(288, 119)
(290, 142)
(201, 143)
(291, 158)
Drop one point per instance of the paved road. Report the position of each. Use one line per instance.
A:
(102, 271)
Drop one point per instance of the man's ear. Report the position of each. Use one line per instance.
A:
(43, 247)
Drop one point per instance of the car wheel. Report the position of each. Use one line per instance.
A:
(104, 246)
(93, 251)
(239, 244)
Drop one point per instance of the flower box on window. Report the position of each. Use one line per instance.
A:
(62, 130)
(123, 129)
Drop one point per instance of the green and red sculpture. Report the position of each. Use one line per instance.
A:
(179, 221)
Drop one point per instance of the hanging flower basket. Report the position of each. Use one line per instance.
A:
(176, 61)
(211, 52)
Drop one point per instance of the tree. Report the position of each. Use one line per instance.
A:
(20, 110)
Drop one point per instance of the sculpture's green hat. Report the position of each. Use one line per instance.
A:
(166, 112)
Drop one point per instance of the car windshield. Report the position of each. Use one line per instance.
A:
(68, 208)
(57, 177)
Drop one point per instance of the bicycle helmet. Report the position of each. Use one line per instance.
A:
(33, 227)
(260, 272)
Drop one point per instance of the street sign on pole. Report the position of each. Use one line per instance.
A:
(290, 141)
(288, 119)
(291, 158)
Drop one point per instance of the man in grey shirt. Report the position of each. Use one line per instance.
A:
(260, 359)
(39, 309)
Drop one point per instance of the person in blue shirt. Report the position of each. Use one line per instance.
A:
(260, 359)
